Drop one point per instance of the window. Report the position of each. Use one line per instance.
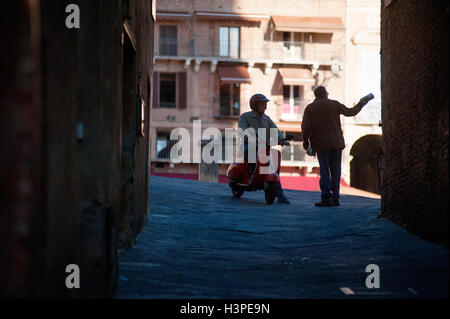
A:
(168, 40)
(286, 39)
(291, 109)
(163, 145)
(170, 90)
(291, 98)
(292, 45)
(167, 90)
(229, 99)
(229, 41)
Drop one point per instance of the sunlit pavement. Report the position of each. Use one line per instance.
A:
(200, 242)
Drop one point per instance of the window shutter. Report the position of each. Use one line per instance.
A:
(155, 103)
(162, 40)
(181, 90)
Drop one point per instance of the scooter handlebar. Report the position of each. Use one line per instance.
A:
(289, 137)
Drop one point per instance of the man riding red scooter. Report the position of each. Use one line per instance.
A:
(263, 173)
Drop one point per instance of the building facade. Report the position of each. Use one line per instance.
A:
(211, 57)
(362, 133)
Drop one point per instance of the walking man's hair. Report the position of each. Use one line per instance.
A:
(320, 92)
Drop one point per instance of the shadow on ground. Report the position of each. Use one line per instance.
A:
(200, 242)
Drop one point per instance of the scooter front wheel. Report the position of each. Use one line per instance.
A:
(270, 189)
(236, 190)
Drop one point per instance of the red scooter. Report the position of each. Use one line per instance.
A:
(265, 175)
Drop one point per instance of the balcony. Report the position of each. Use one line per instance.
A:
(296, 51)
(295, 156)
(275, 52)
(169, 47)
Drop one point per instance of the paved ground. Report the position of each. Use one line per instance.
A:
(200, 242)
(301, 183)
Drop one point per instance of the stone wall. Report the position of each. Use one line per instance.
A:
(63, 150)
(414, 68)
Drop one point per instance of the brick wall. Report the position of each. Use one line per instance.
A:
(414, 84)
(63, 199)
(21, 183)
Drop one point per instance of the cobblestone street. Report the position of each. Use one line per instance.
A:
(200, 242)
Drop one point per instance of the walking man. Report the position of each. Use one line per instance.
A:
(321, 127)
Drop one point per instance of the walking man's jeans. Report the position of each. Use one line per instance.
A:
(330, 172)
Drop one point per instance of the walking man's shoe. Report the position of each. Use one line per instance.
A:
(336, 201)
(325, 202)
(283, 200)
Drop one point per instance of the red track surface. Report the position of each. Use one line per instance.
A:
(303, 183)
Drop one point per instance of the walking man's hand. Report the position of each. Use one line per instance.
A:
(366, 99)
(305, 145)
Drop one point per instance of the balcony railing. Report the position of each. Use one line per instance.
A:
(286, 50)
(168, 105)
(293, 152)
(276, 50)
(168, 46)
(290, 50)
(164, 153)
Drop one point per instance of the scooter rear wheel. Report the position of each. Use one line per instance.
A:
(270, 189)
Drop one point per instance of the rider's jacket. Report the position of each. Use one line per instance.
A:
(252, 120)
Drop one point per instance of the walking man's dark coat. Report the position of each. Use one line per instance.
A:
(322, 123)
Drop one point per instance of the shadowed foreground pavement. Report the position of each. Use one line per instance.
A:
(200, 242)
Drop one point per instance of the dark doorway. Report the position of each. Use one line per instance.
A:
(364, 170)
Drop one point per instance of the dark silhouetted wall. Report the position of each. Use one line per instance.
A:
(65, 200)
(414, 84)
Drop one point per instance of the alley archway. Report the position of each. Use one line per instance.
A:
(364, 171)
